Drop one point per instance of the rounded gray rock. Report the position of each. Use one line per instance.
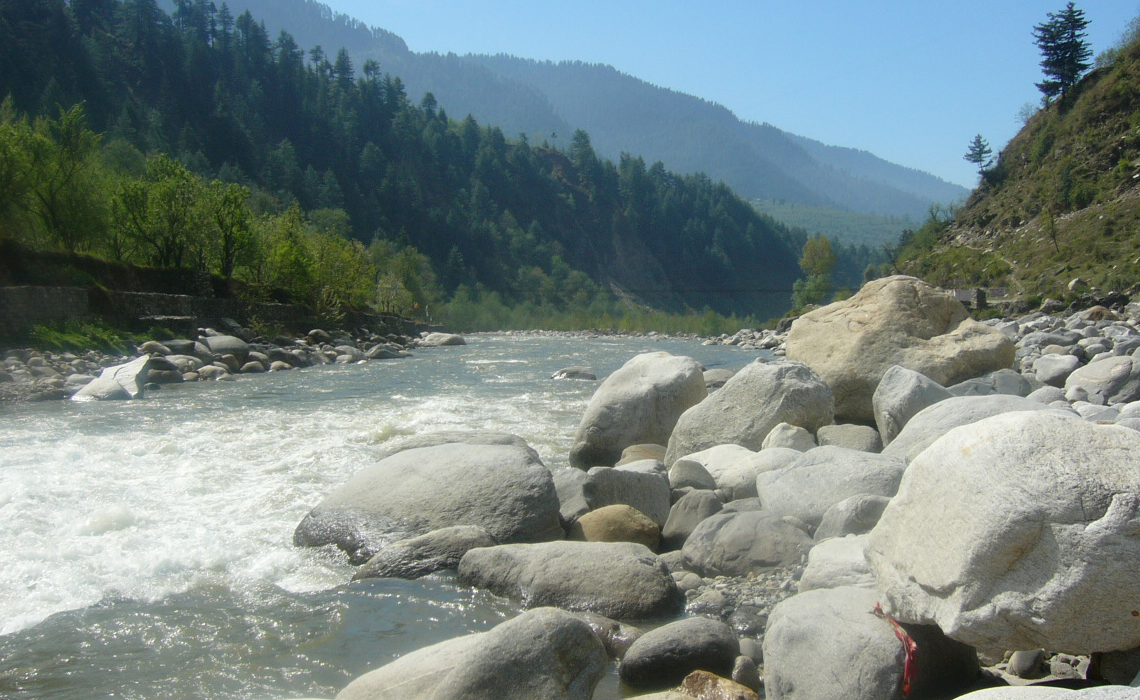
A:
(502, 488)
(664, 656)
(639, 403)
(616, 579)
(543, 653)
(686, 514)
(736, 544)
(757, 399)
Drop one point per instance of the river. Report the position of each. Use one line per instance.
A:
(146, 546)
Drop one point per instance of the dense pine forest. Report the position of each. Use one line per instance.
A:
(196, 140)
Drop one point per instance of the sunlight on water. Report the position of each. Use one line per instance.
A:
(152, 539)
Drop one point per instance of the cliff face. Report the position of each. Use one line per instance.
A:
(1063, 200)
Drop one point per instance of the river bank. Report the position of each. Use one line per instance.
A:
(31, 374)
(819, 484)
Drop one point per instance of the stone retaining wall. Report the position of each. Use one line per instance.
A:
(24, 307)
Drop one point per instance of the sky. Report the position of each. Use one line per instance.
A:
(910, 81)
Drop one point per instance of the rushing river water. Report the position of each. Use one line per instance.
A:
(146, 546)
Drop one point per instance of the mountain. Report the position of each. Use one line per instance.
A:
(622, 114)
(198, 141)
(1061, 204)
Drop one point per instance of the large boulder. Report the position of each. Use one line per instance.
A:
(503, 489)
(639, 403)
(426, 554)
(441, 340)
(1108, 381)
(900, 395)
(664, 656)
(743, 412)
(896, 320)
(828, 643)
(228, 345)
(616, 579)
(543, 653)
(822, 477)
(123, 381)
(581, 492)
(1020, 531)
(937, 420)
(737, 544)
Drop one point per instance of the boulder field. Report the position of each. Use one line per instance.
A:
(969, 528)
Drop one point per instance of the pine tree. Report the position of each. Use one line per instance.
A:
(979, 154)
(1064, 50)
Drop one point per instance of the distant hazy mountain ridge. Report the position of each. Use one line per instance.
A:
(548, 101)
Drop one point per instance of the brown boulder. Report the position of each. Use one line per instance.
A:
(896, 320)
(617, 523)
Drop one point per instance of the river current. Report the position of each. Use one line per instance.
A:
(146, 546)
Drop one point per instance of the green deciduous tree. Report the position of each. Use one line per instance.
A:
(164, 215)
(65, 193)
(817, 262)
(1065, 53)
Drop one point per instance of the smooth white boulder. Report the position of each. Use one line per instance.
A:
(123, 381)
(639, 403)
(822, 477)
(743, 411)
(1020, 531)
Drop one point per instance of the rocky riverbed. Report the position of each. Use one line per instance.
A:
(28, 374)
(910, 504)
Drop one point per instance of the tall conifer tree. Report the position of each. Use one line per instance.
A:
(1065, 52)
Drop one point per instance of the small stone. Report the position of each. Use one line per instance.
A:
(745, 673)
(1026, 663)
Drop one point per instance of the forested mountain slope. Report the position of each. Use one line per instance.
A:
(624, 114)
(327, 147)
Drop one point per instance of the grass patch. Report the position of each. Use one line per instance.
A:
(79, 336)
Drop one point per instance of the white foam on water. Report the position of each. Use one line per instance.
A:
(150, 500)
(204, 484)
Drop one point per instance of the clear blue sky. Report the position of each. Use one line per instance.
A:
(909, 81)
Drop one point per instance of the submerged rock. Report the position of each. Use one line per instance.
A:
(543, 653)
